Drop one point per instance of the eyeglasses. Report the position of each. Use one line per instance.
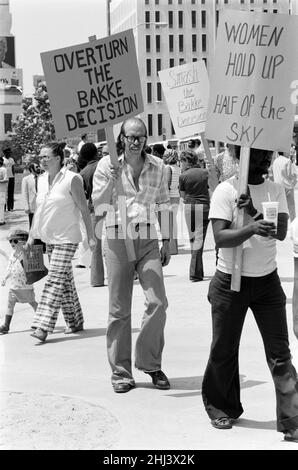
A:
(132, 138)
(45, 157)
(14, 240)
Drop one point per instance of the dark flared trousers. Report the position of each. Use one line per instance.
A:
(221, 388)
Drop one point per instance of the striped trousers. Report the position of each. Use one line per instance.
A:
(59, 291)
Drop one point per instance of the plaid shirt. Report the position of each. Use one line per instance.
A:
(140, 204)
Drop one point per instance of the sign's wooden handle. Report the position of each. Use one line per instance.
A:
(242, 188)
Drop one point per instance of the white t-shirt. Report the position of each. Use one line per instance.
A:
(259, 253)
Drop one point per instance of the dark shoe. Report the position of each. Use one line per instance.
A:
(40, 334)
(122, 387)
(222, 423)
(291, 435)
(80, 266)
(159, 380)
(4, 330)
(73, 329)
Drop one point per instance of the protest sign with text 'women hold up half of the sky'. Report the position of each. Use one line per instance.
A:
(251, 83)
(93, 85)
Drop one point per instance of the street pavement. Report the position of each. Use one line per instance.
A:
(75, 367)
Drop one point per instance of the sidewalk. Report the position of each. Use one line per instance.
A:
(58, 395)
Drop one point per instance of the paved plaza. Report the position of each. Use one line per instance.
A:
(58, 395)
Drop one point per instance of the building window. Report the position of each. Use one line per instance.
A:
(146, 2)
(226, 1)
(170, 19)
(181, 42)
(156, 2)
(147, 17)
(204, 42)
(170, 2)
(149, 93)
(171, 43)
(148, 67)
(242, 1)
(150, 125)
(194, 59)
(158, 65)
(193, 2)
(203, 2)
(157, 43)
(203, 18)
(159, 124)
(7, 123)
(172, 63)
(157, 16)
(180, 19)
(194, 19)
(194, 43)
(181, 61)
(158, 89)
(251, 1)
(148, 45)
(275, 11)
(179, 2)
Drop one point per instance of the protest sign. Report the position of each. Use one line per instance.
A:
(93, 85)
(186, 90)
(250, 87)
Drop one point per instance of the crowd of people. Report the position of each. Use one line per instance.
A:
(68, 198)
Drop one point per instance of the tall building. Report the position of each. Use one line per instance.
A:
(169, 33)
(11, 78)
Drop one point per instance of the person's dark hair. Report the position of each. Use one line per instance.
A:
(31, 167)
(198, 142)
(7, 152)
(191, 143)
(89, 152)
(170, 157)
(120, 147)
(261, 153)
(158, 149)
(148, 149)
(57, 149)
(189, 156)
(1, 161)
(83, 136)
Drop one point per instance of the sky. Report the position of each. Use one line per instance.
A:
(44, 25)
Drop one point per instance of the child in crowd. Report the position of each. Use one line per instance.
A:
(19, 290)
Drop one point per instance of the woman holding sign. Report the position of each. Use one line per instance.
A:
(60, 203)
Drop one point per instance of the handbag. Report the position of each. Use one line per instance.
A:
(33, 264)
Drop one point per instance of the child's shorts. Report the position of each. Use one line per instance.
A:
(23, 296)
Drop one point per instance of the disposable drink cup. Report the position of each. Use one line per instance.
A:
(270, 212)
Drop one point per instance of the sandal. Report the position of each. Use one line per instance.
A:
(291, 435)
(40, 334)
(73, 329)
(222, 423)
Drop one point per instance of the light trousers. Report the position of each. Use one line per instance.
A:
(150, 341)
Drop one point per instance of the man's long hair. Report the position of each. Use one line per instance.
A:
(120, 146)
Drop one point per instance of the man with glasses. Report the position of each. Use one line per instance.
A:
(145, 188)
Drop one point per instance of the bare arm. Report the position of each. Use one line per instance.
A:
(295, 298)
(78, 194)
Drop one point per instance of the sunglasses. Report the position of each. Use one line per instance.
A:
(14, 240)
(132, 138)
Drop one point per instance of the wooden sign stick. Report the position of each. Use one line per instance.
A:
(212, 180)
(242, 188)
(120, 190)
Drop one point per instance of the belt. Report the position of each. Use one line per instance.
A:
(137, 226)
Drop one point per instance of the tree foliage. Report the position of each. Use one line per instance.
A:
(34, 126)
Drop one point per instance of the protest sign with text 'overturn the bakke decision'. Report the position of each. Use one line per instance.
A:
(94, 85)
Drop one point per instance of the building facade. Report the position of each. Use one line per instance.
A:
(11, 78)
(172, 32)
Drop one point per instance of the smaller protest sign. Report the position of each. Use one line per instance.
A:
(186, 90)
